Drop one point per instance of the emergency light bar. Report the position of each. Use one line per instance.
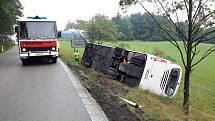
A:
(36, 17)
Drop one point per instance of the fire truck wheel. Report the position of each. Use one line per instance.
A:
(24, 62)
(54, 60)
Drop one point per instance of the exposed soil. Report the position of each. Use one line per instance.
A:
(106, 92)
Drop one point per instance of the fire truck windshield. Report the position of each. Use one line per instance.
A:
(37, 30)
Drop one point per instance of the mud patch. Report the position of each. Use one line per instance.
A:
(106, 92)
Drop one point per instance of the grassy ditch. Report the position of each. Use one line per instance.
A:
(6, 46)
(155, 108)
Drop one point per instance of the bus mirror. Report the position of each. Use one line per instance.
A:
(16, 29)
(59, 34)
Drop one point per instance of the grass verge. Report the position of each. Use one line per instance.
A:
(6, 46)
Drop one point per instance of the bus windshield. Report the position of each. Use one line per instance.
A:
(37, 30)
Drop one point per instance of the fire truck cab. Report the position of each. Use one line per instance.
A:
(37, 38)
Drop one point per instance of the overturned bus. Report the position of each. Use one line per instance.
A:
(135, 69)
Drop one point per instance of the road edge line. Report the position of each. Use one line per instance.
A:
(93, 108)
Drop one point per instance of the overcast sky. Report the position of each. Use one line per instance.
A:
(64, 10)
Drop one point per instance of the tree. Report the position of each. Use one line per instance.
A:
(79, 25)
(145, 28)
(10, 10)
(98, 28)
(212, 40)
(124, 27)
(139, 26)
(101, 27)
(199, 16)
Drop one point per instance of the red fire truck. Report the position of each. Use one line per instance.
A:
(37, 37)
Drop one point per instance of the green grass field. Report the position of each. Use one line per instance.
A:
(202, 85)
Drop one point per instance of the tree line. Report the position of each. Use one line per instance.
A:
(136, 26)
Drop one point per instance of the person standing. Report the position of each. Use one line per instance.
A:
(76, 54)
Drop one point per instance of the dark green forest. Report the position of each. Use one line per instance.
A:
(138, 27)
(142, 27)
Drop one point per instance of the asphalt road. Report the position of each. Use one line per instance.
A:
(37, 92)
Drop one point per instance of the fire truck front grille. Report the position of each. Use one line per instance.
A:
(164, 79)
(39, 49)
